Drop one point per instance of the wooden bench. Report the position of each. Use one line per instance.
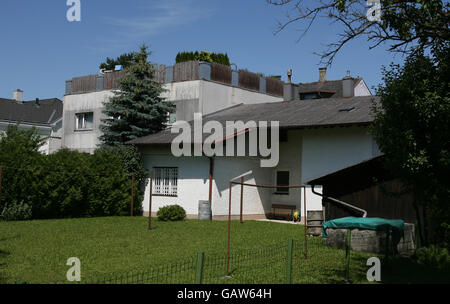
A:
(282, 209)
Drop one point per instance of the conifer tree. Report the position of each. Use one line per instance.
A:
(137, 108)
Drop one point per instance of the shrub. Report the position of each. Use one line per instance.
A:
(65, 184)
(171, 213)
(434, 256)
(16, 212)
(203, 56)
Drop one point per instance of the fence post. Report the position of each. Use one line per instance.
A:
(150, 193)
(132, 193)
(347, 255)
(199, 267)
(1, 172)
(289, 261)
(242, 197)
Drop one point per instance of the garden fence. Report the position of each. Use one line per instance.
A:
(280, 263)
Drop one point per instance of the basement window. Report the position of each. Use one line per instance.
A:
(84, 121)
(165, 181)
(282, 180)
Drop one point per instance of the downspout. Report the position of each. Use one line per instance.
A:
(364, 212)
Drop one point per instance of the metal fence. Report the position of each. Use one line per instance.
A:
(280, 263)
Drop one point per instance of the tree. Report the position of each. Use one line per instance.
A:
(124, 60)
(408, 25)
(412, 128)
(137, 108)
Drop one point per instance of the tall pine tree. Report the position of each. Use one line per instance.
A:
(137, 108)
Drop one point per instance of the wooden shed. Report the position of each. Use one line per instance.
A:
(369, 186)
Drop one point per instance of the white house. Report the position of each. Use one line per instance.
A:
(44, 115)
(324, 126)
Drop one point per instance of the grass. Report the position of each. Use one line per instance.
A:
(37, 251)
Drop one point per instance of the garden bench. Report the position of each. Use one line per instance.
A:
(282, 209)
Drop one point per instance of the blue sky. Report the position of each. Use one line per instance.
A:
(40, 49)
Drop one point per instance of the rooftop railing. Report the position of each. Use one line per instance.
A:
(184, 71)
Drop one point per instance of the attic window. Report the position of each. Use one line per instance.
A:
(347, 109)
(304, 96)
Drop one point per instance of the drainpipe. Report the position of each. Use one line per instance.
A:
(364, 212)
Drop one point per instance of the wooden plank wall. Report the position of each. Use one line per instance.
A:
(378, 200)
(220, 73)
(84, 84)
(248, 80)
(185, 71)
(160, 73)
(111, 80)
(274, 86)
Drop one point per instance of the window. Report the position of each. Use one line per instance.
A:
(165, 181)
(282, 180)
(84, 121)
(304, 96)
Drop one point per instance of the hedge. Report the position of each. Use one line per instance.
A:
(65, 184)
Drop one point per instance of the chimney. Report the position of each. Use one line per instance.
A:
(322, 74)
(289, 75)
(348, 86)
(37, 103)
(18, 95)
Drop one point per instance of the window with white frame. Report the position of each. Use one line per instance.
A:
(165, 181)
(84, 121)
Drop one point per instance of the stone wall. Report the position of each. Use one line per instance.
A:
(371, 241)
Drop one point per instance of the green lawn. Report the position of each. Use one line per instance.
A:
(37, 251)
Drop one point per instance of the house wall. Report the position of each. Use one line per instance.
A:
(83, 140)
(193, 182)
(326, 150)
(307, 154)
(361, 89)
(189, 96)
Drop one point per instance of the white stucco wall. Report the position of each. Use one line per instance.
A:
(193, 182)
(361, 89)
(308, 154)
(327, 150)
(215, 96)
(255, 201)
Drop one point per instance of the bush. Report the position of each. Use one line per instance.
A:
(434, 257)
(171, 213)
(66, 184)
(16, 212)
(203, 56)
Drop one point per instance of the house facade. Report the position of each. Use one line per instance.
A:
(44, 115)
(192, 86)
(319, 133)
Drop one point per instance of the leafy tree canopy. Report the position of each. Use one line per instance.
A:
(406, 25)
(412, 128)
(124, 60)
